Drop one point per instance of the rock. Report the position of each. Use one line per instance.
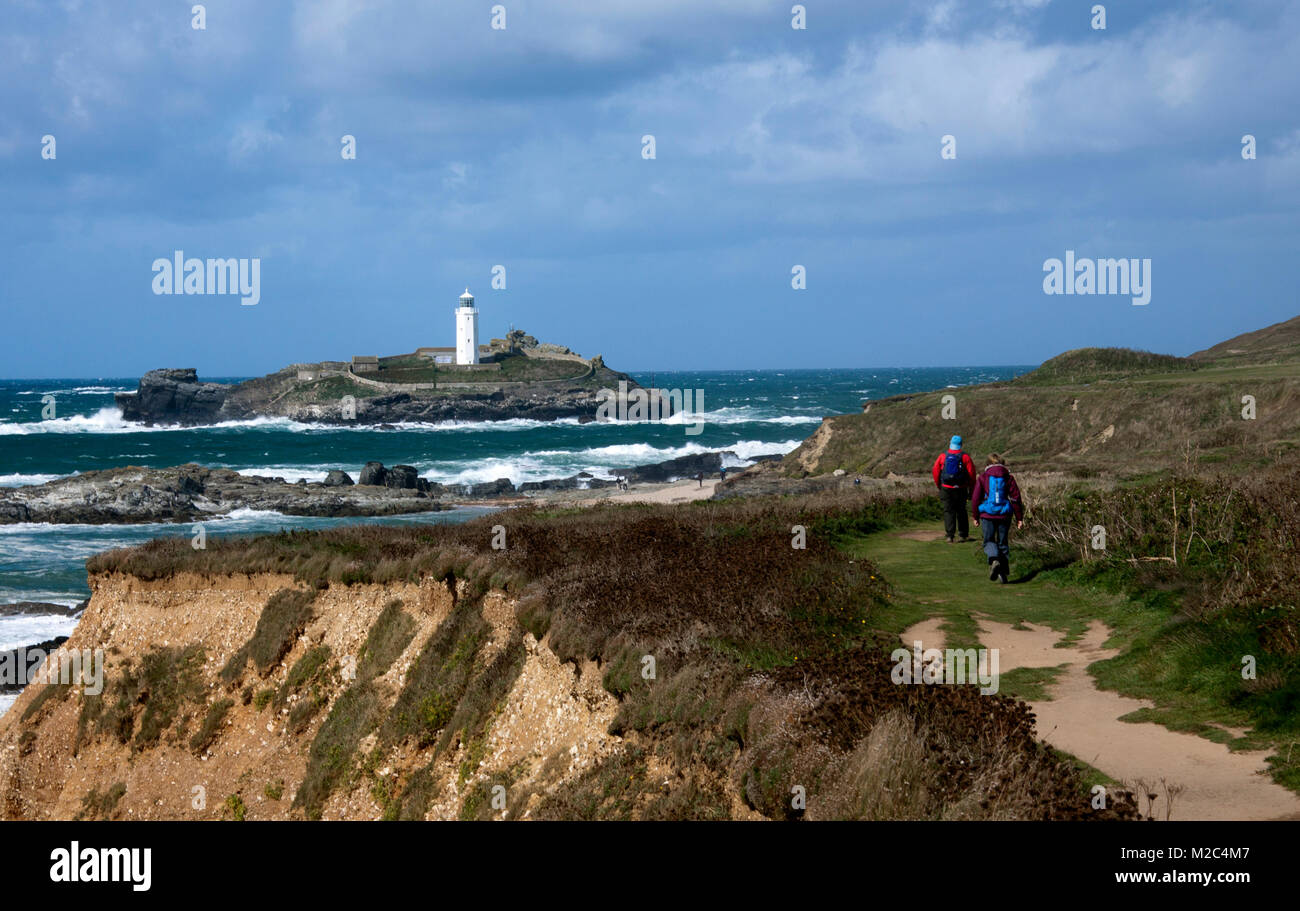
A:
(372, 474)
(173, 396)
(687, 466)
(401, 477)
(338, 478)
(40, 608)
(497, 488)
(130, 495)
(839, 472)
(22, 665)
(549, 484)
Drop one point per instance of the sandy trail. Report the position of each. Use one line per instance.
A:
(669, 492)
(1084, 721)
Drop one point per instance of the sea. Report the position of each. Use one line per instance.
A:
(746, 412)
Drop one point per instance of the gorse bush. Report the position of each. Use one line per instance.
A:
(1224, 545)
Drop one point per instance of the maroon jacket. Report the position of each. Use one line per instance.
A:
(981, 491)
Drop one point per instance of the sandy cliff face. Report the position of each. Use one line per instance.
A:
(173, 737)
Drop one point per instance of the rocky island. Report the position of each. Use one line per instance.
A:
(515, 377)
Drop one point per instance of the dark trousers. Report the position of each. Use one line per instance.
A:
(997, 534)
(956, 506)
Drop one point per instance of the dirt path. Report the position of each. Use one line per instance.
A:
(1076, 716)
(667, 492)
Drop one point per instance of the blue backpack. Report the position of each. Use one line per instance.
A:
(954, 470)
(996, 502)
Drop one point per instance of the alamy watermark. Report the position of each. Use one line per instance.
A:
(949, 665)
(25, 666)
(642, 406)
(1131, 277)
(179, 275)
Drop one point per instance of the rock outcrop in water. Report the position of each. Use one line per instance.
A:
(174, 396)
(327, 393)
(190, 493)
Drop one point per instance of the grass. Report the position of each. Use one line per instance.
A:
(1029, 683)
(282, 620)
(1105, 422)
(311, 681)
(102, 806)
(514, 369)
(211, 727)
(234, 805)
(145, 700)
(330, 760)
(391, 633)
(1088, 365)
(1182, 629)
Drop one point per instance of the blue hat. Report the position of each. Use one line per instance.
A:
(955, 442)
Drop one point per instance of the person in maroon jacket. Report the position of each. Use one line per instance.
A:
(954, 473)
(993, 502)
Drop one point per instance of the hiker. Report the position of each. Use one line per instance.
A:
(954, 473)
(722, 475)
(995, 499)
(700, 477)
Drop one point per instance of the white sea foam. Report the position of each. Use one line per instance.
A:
(26, 480)
(77, 390)
(290, 473)
(598, 461)
(28, 629)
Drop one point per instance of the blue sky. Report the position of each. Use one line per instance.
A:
(775, 147)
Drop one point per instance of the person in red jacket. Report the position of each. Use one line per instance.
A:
(993, 502)
(954, 473)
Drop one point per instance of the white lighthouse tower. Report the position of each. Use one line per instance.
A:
(466, 330)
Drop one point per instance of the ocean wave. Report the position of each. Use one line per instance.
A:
(598, 461)
(28, 629)
(27, 480)
(77, 390)
(109, 420)
(289, 473)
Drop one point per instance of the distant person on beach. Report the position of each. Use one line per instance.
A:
(954, 473)
(722, 475)
(994, 501)
(700, 477)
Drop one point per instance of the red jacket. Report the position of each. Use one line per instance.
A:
(965, 460)
(982, 490)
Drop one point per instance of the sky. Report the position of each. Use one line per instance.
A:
(523, 147)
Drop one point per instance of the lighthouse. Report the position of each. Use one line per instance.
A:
(466, 330)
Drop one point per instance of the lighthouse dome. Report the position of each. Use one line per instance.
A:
(467, 299)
